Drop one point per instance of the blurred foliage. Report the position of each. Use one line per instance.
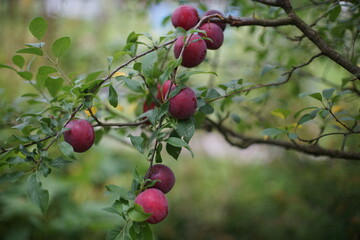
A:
(291, 197)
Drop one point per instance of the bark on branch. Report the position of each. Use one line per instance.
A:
(243, 141)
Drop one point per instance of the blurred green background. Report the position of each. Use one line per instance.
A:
(222, 193)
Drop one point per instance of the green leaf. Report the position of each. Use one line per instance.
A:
(267, 68)
(37, 194)
(25, 75)
(38, 27)
(307, 117)
(176, 142)
(54, 84)
(186, 128)
(113, 234)
(146, 232)
(134, 85)
(158, 158)
(44, 169)
(173, 151)
(10, 177)
(7, 66)
(31, 50)
(327, 93)
(207, 109)
(137, 142)
(92, 76)
(113, 96)
(316, 95)
(66, 149)
(60, 46)
(15, 160)
(212, 93)
(18, 60)
(148, 65)
(272, 132)
(297, 114)
(236, 118)
(42, 75)
(116, 191)
(334, 13)
(137, 213)
(59, 162)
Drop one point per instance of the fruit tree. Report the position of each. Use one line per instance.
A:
(182, 83)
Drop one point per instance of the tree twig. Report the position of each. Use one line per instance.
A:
(243, 141)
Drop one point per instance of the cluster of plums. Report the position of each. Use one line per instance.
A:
(186, 16)
(153, 200)
(81, 137)
(181, 106)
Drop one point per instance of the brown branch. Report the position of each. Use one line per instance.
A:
(243, 141)
(5, 150)
(325, 135)
(128, 62)
(275, 3)
(337, 120)
(134, 124)
(315, 37)
(249, 21)
(289, 74)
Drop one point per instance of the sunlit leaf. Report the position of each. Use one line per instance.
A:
(60, 46)
(38, 27)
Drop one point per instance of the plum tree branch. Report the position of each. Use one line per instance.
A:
(5, 150)
(293, 19)
(321, 44)
(325, 135)
(243, 141)
(133, 124)
(289, 74)
(250, 21)
(128, 62)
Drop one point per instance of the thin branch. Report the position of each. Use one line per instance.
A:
(315, 37)
(5, 150)
(275, 3)
(250, 21)
(134, 124)
(289, 74)
(325, 135)
(337, 120)
(128, 62)
(242, 141)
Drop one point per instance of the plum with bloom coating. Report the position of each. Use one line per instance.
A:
(153, 201)
(185, 16)
(80, 135)
(194, 53)
(183, 105)
(165, 176)
(211, 12)
(213, 32)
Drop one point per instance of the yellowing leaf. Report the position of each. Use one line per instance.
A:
(281, 113)
(93, 110)
(119, 107)
(337, 108)
(132, 107)
(266, 137)
(118, 74)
